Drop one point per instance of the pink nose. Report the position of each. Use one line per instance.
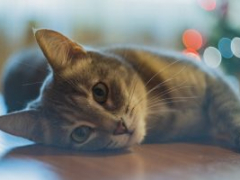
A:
(121, 128)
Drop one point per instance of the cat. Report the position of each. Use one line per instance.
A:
(82, 98)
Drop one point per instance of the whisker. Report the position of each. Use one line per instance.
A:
(159, 85)
(161, 70)
(173, 98)
(33, 66)
(174, 88)
(157, 98)
(135, 81)
(165, 103)
(161, 105)
(171, 90)
(132, 91)
(155, 112)
(29, 84)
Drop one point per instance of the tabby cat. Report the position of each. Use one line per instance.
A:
(109, 98)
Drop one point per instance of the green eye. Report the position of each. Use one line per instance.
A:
(100, 93)
(81, 134)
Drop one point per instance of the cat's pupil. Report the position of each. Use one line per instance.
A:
(99, 92)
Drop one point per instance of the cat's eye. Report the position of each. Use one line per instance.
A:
(81, 134)
(100, 92)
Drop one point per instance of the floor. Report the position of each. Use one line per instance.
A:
(21, 159)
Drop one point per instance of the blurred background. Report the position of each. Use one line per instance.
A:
(205, 29)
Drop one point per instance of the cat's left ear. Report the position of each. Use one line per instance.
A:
(59, 50)
(24, 124)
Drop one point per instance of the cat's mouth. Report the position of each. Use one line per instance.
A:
(121, 141)
(122, 136)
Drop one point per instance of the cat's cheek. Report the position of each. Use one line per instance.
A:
(138, 135)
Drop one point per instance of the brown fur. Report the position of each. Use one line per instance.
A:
(159, 96)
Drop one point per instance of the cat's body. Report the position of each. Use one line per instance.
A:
(157, 97)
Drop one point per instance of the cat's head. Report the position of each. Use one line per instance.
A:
(92, 100)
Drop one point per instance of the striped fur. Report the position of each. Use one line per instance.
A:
(160, 96)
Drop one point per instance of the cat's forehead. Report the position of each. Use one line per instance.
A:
(97, 66)
(106, 62)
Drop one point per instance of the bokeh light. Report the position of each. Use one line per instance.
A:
(212, 57)
(235, 46)
(192, 53)
(192, 39)
(224, 46)
(208, 5)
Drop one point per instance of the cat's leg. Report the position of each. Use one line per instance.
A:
(224, 113)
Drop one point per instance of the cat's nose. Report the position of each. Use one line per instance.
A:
(121, 128)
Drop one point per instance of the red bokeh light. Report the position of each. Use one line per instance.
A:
(192, 53)
(208, 5)
(192, 39)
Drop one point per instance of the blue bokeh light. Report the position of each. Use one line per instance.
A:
(224, 46)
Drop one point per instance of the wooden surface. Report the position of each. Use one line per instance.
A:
(21, 159)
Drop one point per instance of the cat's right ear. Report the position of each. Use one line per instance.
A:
(59, 50)
(24, 123)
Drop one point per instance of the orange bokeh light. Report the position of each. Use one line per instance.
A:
(208, 5)
(192, 53)
(192, 39)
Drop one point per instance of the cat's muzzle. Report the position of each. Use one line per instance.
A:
(121, 128)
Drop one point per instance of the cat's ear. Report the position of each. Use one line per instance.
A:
(24, 124)
(59, 50)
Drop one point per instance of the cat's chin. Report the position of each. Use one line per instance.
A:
(136, 138)
(130, 140)
(124, 141)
